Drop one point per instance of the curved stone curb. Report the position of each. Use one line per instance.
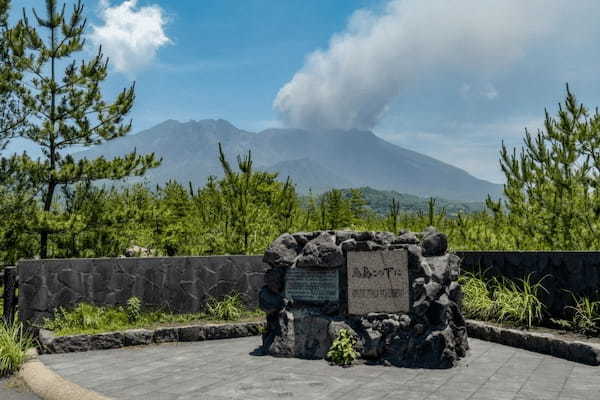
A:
(545, 343)
(50, 386)
(49, 343)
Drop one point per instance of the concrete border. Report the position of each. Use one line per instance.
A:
(50, 343)
(545, 343)
(49, 385)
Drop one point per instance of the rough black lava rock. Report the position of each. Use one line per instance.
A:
(321, 252)
(432, 334)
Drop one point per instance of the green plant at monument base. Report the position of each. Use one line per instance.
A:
(133, 309)
(342, 351)
(14, 341)
(230, 308)
(477, 302)
(89, 319)
(586, 316)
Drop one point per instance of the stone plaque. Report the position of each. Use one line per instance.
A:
(378, 282)
(304, 284)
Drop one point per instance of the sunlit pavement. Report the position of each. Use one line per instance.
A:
(225, 369)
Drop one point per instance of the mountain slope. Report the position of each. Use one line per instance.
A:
(308, 174)
(339, 159)
(380, 200)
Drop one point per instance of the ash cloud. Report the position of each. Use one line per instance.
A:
(352, 83)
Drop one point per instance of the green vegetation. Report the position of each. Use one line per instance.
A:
(228, 309)
(14, 341)
(551, 190)
(518, 302)
(62, 111)
(86, 318)
(379, 202)
(342, 351)
(502, 300)
(586, 316)
(50, 207)
(477, 301)
(133, 309)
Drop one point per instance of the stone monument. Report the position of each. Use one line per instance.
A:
(398, 295)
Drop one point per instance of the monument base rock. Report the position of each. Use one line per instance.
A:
(425, 329)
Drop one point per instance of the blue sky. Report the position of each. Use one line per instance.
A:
(448, 79)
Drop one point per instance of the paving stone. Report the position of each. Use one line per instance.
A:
(224, 369)
(10, 389)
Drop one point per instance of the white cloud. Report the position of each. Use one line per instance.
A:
(130, 36)
(379, 55)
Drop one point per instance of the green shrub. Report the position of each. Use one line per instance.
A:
(586, 316)
(477, 302)
(14, 341)
(133, 309)
(83, 317)
(86, 318)
(342, 350)
(230, 308)
(518, 303)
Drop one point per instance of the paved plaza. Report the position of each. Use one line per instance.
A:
(13, 389)
(225, 369)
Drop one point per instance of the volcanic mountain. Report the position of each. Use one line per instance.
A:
(319, 160)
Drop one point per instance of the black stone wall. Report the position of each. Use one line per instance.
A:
(48, 284)
(179, 284)
(563, 272)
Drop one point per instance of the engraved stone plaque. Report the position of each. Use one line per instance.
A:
(303, 284)
(378, 282)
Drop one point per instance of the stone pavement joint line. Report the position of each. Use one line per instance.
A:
(225, 369)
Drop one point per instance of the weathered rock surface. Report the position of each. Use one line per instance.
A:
(283, 251)
(321, 252)
(434, 244)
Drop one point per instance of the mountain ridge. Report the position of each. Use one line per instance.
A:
(313, 159)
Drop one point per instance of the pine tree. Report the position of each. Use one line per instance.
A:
(67, 109)
(552, 184)
(12, 113)
(357, 204)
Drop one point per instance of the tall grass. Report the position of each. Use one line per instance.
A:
(477, 301)
(586, 315)
(518, 302)
(14, 341)
(230, 308)
(502, 300)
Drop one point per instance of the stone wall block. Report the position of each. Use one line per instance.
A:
(191, 333)
(137, 337)
(71, 344)
(104, 341)
(165, 335)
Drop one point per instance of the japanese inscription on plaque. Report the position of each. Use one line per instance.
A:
(378, 282)
(302, 284)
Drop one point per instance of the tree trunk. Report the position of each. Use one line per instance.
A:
(45, 233)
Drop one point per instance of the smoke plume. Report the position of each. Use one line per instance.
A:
(352, 82)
